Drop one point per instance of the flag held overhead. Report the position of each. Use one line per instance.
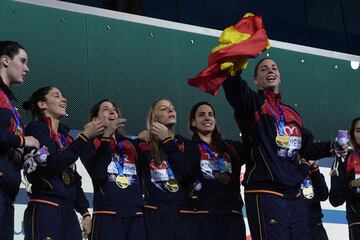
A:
(245, 39)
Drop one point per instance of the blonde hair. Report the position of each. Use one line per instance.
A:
(156, 150)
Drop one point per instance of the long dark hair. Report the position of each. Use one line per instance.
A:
(216, 136)
(352, 132)
(94, 112)
(32, 103)
(10, 48)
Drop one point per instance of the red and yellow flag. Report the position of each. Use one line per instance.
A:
(245, 39)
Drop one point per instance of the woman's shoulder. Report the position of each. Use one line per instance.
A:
(234, 144)
(36, 124)
(144, 146)
(64, 128)
(181, 139)
(193, 143)
(134, 140)
(37, 128)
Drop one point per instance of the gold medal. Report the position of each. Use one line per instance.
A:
(172, 185)
(18, 131)
(122, 182)
(308, 192)
(66, 178)
(282, 141)
(223, 177)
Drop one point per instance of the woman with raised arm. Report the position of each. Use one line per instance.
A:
(165, 172)
(274, 139)
(112, 166)
(56, 185)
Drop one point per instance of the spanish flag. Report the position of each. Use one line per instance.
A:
(237, 43)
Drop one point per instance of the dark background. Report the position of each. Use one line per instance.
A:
(326, 24)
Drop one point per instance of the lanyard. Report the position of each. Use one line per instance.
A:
(119, 162)
(219, 161)
(58, 137)
(62, 142)
(169, 171)
(281, 122)
(15, 113)
(307, 182)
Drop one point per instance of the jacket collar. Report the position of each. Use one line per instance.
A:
(6, 90)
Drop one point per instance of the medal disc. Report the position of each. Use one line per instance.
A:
(122, 182)
(18, 131)
(308, 192)
(223, 177)
(66, 178)
(282, 141)
(172, 185)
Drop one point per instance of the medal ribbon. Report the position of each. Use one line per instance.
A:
(306, 182)
(62, 142)
(15, 113)
(60, 139)
(120, 162)
(281, 122)
(218, 161)
(169, 171)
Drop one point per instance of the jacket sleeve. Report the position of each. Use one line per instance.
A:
(57, 161)
(193, 155)
(179, 164)
(340, 190)
(88, 157)
(81, 204)
(101, 161)
(312, 150)
(238, 150)
(7, 138)
(321, 190)
(243, 100)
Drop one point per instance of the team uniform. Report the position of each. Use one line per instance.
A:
(168, 212)
(216, 191)
(56, 185)
(273, 138)
(11, 157)
(341, 191)
(118, 202)
(314, 190)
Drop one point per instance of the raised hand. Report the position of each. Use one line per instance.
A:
(145, 135)
(93, 129)
(160, 130)
(113, 126)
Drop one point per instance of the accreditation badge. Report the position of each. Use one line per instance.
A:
(224, 178)
(172, 185)
(65, 176)
(122, 182)
(282, 141)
